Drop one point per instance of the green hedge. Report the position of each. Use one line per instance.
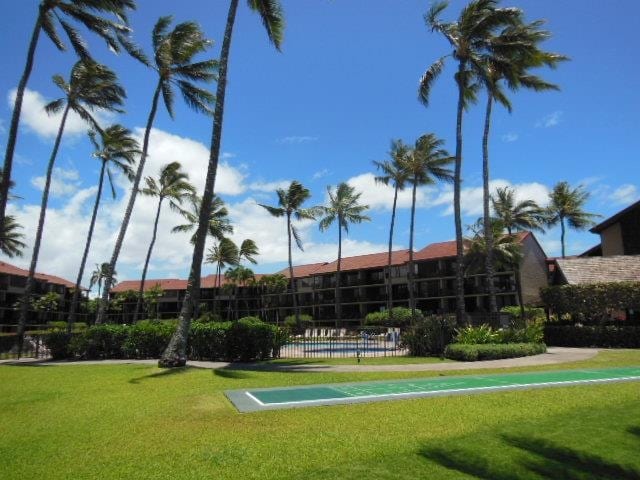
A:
(429, 336)
(591, 302)
(400, 317)
(492, 351)
(484, 334)
(592, 336)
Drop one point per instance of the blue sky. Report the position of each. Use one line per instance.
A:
(320, 112)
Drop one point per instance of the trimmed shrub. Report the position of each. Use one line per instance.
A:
(250, 339)
(208, 317)
(148, 338)
(491, 351)
(400, 317)
(57, 341)
(592, 336)
(428, 336)
(99, 342)
(207, 340)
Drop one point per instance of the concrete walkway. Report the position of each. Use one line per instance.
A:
(553, 356)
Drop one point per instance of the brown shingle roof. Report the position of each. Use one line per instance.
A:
(208, 281)
(584, 270)
(300, 271)
(372, 260)
(9, 269)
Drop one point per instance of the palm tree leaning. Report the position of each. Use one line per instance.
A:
(469, 38)
(11, 243)
(272, 18)
(174, 52)
(424, 164)
(117, 149)
(290, 203)
(114, 32)
(343, 209)
(515, 52)
(91, 86)
(516, 215)
(172, 185)
(393, 172)
(219, 224)
(99, 274)
(223, 253)
(566, 208)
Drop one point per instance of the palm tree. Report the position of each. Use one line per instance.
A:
(99, 274)
(223, 253)
(248, 251)
(219, 224)
(172, 185)
(272, 18)
(516, 216)
(238, 276)
(566, 205)
(91, 86)
(394, 173)
(469, 38)
(115, 33)
(173, 54)
(343, 209)
(11, 243)
(425, 164)
(290, 206)
(118, 150)
(515, 51)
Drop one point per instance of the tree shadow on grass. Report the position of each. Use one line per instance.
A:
(545, 459)
(162, 373)
(291, 366)
(231, 373)
(634, 431)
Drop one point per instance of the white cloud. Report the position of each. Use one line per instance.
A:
(320, 174)
(550, 120)
(227, 155)
(296, 139)
(624, 194)
(63, 182)
(37, 120)
(269, 187)
(510, 137)
(379, 196)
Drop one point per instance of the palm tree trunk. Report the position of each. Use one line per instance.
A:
(146, 262)
(457, 183)
(132, 200)
(519, 291)
(26, 297)
(15, 117)
(562, 234)
(175, 353)
(412, 300)
(294, 293)
(338, 293)
(85, 254)
(393, 221)
(488, 230)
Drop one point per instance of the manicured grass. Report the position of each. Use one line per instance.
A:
(399, 360)
(135, 421)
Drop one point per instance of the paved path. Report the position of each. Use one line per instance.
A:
(553, 356)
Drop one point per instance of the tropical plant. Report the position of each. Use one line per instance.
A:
(566, 206)
(290, 206)
(172, 185)
(238, 276)
(248, 251)
(517, 215)
(114, 32)
(150, 297)
(425, 163)
(470, 39)
(218, 226)
(272, 18)
(91, 87)
(11, 243)
(99, 274)
(343, 209)
(223, 253)
(174, 52)
(47, 303)
(117, 150)
(392, 172)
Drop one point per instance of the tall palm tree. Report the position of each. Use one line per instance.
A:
(290, 203)
(343, 209)
(514, 52)
(91, 86)
(392, 172)
(219, 224)
(223, 253)
(272, 18)
(248, 251)
(174, 52)
(99, 274)
(118, 150)
(239, 276)
(11, 243)
(425, 164)
(469, 37)
(172, 185)
(516, 216)
(566, 206)
(114, 32)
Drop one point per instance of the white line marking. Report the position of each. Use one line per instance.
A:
(255, 399)
(456, 390)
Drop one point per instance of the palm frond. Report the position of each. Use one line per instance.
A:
(272, 17)
(427, 79)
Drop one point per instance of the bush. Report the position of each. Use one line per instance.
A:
(209, 317)
(250, 339)
(532, 333)
(77, 326)
(148, 338)
(592, 336)
(428, 336)
(531, 314)
(57, 341)
(400, 317)
(306, 321)
(207, 340)
(477, 335)
(99, 342)
(490, 351)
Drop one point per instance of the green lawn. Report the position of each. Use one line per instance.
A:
(138, 422)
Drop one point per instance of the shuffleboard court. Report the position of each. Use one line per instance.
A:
(340, 393)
